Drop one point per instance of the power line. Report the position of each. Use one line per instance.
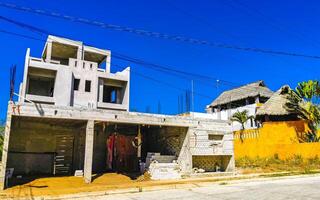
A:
(153, 34)
(123, 57)
(142, 63)
(272, 22)
(253, 12)
(157, 67)
(139, 62)
(139, 74)
(161, 68)
(165, 83)
(200, 20)
(116, 55)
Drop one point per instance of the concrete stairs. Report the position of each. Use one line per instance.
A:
(162, 167)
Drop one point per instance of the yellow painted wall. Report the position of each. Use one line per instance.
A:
(272, 138)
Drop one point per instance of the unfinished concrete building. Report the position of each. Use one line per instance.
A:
(73, 116)
(72, 74)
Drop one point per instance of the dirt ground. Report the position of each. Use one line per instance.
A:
(53, 186)
(56, 186)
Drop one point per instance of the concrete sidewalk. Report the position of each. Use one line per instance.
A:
(284, 188)
(91, 190)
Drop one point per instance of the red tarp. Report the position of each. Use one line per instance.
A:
(122, 155)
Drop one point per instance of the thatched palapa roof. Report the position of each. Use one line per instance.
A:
(276, 105)
(250, 90)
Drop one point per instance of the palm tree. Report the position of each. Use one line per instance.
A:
(241, 117)
(301, 102)
(308, 90)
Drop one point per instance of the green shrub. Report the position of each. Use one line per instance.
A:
(296, 160)
(274, 163)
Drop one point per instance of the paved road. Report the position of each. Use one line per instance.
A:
(297, 188)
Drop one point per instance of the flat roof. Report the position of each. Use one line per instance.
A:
(113, 116)
(79, 44)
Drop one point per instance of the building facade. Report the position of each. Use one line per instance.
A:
(73, 117)
(248, 97)
(72, 74)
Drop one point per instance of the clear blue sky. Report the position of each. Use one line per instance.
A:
(291, 26)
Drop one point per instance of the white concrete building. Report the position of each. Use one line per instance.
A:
(248, 97)
(73, 116)
(72, 74)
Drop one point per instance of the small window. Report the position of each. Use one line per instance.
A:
(83, 65)
(76, 84)
(112, 94)
(88, 86)
(215, 137)
(75, 63)
(90, 65)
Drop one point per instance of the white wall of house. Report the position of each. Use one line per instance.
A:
(226, 115)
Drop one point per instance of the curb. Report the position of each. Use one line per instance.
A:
(193, 183)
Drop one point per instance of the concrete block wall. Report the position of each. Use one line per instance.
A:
(100, 150)
(210, 163)
(166, 140)
(171, 141)
(205, 151)
(32, 146)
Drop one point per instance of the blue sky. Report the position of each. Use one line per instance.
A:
(291, 26)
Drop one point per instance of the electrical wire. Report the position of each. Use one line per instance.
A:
(142, 75)
(153, 34)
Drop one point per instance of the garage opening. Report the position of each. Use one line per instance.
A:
(45, 147)
(122, 148)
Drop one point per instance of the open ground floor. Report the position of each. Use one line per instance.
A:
(90, 148)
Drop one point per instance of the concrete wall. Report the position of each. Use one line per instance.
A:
(32, 146)
(166, 140)
(212, 142)
(168, 134)
(99, 150)
(169, 141)
(275, 138)
(212, 163)
(64, 95)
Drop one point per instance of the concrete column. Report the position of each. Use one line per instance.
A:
(219, 112)
(100, 93)
(25, 77)
(108, 63)
(231, 165)
(257, 99)
(229, 110)
(80, 53)
(185, 155)
(5, 146)
(49, 51)
(88, 157)
(139, 142)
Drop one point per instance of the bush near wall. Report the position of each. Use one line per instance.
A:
(270, 164)
(284, 139)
